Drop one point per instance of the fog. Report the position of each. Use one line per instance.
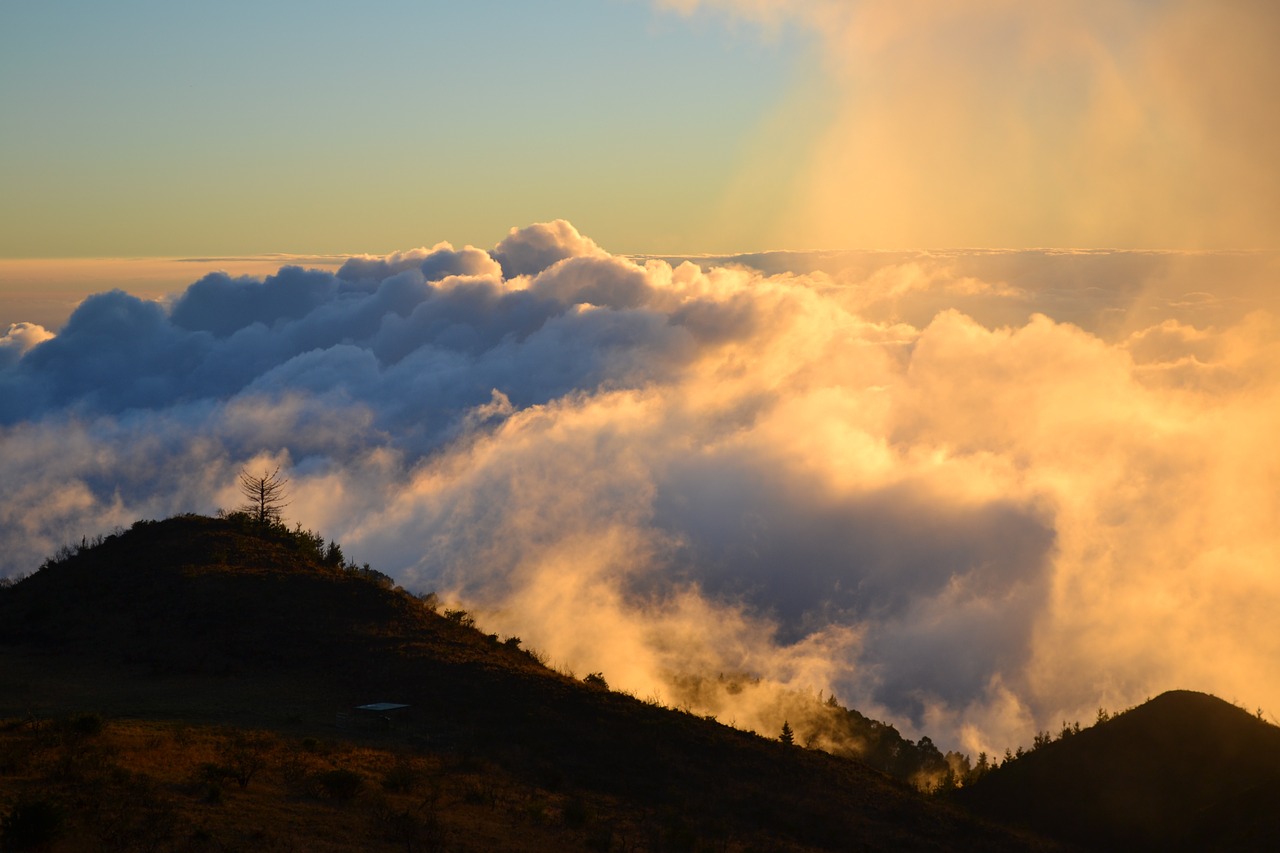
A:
(972, 493)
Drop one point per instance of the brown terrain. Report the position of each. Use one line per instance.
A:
(190, 684)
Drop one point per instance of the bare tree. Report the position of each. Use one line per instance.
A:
(266, 496)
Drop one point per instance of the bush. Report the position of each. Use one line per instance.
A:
(85, 724)
(402, 777)
(461, 617)
(244, 756)
(32, 824)
(575, 813)
(340, 784)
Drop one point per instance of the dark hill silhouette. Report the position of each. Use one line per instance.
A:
(195, 595)
(227, 622)
(1184, 771)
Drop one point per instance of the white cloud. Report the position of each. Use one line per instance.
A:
(19, 338)
(974, 494)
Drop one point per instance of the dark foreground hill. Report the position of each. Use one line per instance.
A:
(244, 646)
(1185, 771)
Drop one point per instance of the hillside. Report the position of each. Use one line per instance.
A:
(1184, 771)
(241, 635)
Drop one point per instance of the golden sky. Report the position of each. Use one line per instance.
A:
(1000, 448)
(133, 129)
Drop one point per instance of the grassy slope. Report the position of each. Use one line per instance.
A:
(198, 623)
(1183, 771)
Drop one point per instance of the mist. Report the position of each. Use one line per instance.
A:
(987, 123)
(971, 493)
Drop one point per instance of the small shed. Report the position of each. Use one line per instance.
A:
(375, 715)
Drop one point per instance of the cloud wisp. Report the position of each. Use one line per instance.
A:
(972, 493)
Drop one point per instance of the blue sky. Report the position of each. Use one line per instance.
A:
(141, 128)
(976, 492)
(160, 128)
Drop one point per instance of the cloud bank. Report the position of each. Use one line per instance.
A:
(972, 493)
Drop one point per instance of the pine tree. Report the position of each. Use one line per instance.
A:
(788, 737)
(266, 496)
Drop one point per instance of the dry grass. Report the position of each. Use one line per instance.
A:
(211, 650)
(141, 784)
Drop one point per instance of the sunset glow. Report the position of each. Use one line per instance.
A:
(926, 355)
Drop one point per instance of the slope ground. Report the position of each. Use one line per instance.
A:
(203, 641)
(1184, 771)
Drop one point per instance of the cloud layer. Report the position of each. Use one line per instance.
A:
(972, 493)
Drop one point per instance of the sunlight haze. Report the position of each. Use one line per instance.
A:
(923, 354)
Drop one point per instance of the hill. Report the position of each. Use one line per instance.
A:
(1184, 771)
(252, 640)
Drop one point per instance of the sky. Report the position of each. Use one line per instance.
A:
(923, 354)
(145, 128)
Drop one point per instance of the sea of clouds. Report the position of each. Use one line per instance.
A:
(974, 493)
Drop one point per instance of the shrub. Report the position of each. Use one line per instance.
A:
(340, 784)
(460, 617)
(402, 777)
(32, 824)
(596, 679)
(86, 724)
(574, 813)
(243, 756)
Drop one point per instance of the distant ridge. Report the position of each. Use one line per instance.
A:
(1184, 771)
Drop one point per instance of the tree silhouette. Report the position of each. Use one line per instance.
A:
(788, 737)
(266, 496)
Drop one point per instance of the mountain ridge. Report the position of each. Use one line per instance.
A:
(1183, 771)
(219, 621)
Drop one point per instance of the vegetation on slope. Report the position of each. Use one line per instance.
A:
(1184, 771)
(243, 633)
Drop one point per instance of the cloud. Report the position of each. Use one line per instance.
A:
(1061, 123)
(19, 338)
(974, 493)
(529, 251)
(438, 262)
(221, 305)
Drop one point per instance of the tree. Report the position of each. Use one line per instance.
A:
(982, 767)
(266, 496)
(788, 737)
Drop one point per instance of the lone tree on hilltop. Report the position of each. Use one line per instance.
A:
(266, 496)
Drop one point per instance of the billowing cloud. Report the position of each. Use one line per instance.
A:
(974, 493)
(1058, 123)
(19, 338)
(529, 251)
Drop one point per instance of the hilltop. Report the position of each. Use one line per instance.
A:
(250, 634)
(1184, 771)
